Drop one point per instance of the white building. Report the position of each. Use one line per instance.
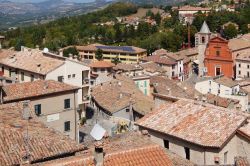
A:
(33, 64)
(223, 87)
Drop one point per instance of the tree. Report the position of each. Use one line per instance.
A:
(230, 31)
(70, 50)
(158, 18)
(98, 54)
(116, 60)
(19, 42)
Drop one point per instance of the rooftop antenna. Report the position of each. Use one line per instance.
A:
(26, 116)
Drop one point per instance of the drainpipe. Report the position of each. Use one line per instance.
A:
(76, 128)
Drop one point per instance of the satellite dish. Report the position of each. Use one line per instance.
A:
(45, 50)
(97, 132)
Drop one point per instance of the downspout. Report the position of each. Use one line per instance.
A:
(76, 130)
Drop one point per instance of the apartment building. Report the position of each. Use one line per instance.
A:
(203, 134)
(126, 54)
(171, 62)
(223, 87)
(29, 65)
(242, 65)
(54, 103)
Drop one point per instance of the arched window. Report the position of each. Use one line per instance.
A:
(203, 39)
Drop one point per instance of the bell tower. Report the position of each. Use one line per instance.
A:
(201, 40)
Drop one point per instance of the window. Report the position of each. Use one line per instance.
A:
(239, 72)
(38, 109)
(69, 76)
(203, 39)
(218, 71)
(145, 92)
(145, 83)
(248, 66)
(3, 69)
(31, 78)
(173, 66)
(22, 76)
(67, 126)
(127, 109)
(239, 65)
(209, 91)
(187, 152)
(210, 82)
(67, 103)
(172, 73)
(60, 78)
(137, 84)
(218, 91)
(73, 75)
(248, 74)
(217, 53)
(225, 158)
(166, 144)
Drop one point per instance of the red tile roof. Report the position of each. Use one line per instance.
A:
(43, 142)
(101, 64)
(245, 130)
(20, 91)
(241, 161)
(206, 126)
(193, 8)
(159, 59)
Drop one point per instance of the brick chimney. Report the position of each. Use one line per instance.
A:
(98, 153)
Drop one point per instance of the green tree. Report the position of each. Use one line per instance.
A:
(99, 54)
(230, 31)
(116, 60)
(19, 42)
(158, 18)
(70, 50)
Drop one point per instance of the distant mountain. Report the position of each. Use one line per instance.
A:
(19, 14)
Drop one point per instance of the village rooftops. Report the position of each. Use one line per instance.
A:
(239, 43)
(225, 81)
(127, 67)
(114, 49)
(220, 101)
(243, 56)
(31, 60)
(132, 148)
(5, 53)
(193, 8)
(203, 125)
(119, 93)
(43, 143)
(21, 91)
(159, 59)
(152, 67)
(101, 64)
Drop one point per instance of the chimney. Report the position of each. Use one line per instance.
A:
(38, 67)
(70, 56)
(120, 95)
(1, 40)
(46, 85)
(61, 52)
(98, 154)
(22, 48)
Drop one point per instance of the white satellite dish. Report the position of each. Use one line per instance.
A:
(46, 50)
(97, 132)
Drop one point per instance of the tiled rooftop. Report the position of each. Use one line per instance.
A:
(43, 142)
(207, 126)
(159, 59)
(117, 94)
(31, 60)
(20, 91)
(220, 101)
(165, 86)
(193, 8)
(245, 129)
(127, 67)
(101, 64)
(241, 161)
(152, 67)
(137, 149)
(240, 43)
(5, 53)
(225, 81)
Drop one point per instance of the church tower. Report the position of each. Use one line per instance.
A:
(201, 40)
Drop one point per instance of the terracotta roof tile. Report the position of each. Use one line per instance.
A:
(101, 64)
(20, 91)
(226, 81)
(43, 142)
(193, 8)
(241, 161)
(207, 126)
(32, 60)
(152, 67)
(127, 67)
(245, 129)
(116, 95)
(159, 59)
